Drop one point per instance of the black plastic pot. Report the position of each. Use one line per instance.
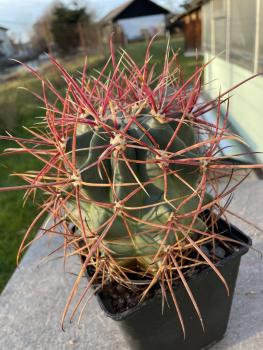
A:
(146, 328)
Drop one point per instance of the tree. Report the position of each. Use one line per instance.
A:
(41, 36)
(67, 27)
(188, 3)
(172, 5)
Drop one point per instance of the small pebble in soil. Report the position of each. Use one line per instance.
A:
(195, 236)
(121, 302)
(121, 289)
(114, 296)
(205, 250)
(219, 252)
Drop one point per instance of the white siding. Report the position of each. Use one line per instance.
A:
(242, 32)
(219, 23)
(206, 27)
(239, 61)
(260, 60)
(246, 111)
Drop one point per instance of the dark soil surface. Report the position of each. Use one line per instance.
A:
(118, 298)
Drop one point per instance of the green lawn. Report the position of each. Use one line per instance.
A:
(18, 108)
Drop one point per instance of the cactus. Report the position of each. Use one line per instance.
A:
(124, 164)
(129, 168)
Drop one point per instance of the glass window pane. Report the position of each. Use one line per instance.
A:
(220, 36)
(219, 8)
(206, 31)
(260, 68)
(242, 32)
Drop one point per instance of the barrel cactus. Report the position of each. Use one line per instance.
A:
(132, 172)
(130, 166)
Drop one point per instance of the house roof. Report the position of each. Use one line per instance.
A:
(115, 12)
(3, 28)
(134, 8)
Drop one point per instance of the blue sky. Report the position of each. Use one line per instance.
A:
(19, 15)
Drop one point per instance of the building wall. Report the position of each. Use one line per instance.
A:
(233, 33)
(192, 30)
(135, 27)
(106, 33)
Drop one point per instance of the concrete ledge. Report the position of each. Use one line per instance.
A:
(32, 303)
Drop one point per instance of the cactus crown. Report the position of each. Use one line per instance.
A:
(130, 161)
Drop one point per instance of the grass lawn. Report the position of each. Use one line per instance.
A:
(18, 108)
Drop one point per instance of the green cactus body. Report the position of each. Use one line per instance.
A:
(123, 161)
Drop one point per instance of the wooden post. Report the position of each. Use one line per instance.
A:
(82, 38)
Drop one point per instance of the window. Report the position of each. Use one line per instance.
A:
(206, 14)
(242, 32)
(260, 59)
(219, 16)
(219, 8)
(220, 37)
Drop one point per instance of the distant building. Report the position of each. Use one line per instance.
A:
(6, 47)
(133, 19)
(190, 22)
